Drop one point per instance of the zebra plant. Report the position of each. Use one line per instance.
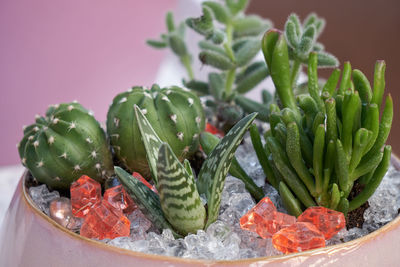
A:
(179, 206)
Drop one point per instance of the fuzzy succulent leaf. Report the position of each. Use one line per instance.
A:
(145, 198)
(213, 172)
(180, 200)
(251, 25)
(236, 6)
(247, 52)
(204, 24)
(220, 12)
(216, 60)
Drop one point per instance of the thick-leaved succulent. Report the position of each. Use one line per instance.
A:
(65, 144)
(179, 205)
(175, 114)
(322, 143)
(231, 41)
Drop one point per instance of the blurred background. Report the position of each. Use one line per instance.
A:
(57, 51)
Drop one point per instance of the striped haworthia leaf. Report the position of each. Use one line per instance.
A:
(147, 201)
(180, 200)
(214, 170)
(151, 142)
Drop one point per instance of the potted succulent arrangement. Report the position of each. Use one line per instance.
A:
(171, 179)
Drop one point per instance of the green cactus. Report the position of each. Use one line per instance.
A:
(175, 114)
(179, 206)
(324, 142)
(65, 144)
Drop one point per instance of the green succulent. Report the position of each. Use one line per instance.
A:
(65, 144)
(322, 143)
(179, 206)
(231, 40)
(176, 115)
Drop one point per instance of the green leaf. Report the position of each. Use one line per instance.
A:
(204, 24)
(247, 51)
(250, 26)
(310, 32)
(276, 55)
(376, 179)
(216, 60)
(296, 23)
(205, 45)
(220, 12)
(169, 20)
(180, 200)
(151, 142)
(235, 6)
(362, 85)
(250, 106)
(199, 86)
(177, 45)
(250, 79)
(213, 172)
(156, 44)
(216, 85)
(305, 45)
(291, 203)
(327, 60)
(291, 34)
(379, 82)
(147, 201)
(208, 142)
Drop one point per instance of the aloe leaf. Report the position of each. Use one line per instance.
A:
(213, 172)
(208, 142)
(151, 142)
(180, 200)
(147, 201)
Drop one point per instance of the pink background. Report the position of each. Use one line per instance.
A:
(55, 51)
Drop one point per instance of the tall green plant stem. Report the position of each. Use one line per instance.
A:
(230, 75)
(188, 66)
(295, 72)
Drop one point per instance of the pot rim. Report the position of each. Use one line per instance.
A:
(153, 257)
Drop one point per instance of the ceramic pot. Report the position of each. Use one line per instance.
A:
(29, 238)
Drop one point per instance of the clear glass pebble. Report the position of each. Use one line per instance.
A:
(224, 239)
(42, 197)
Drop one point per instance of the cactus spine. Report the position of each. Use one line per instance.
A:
(65, 144)
(176, 115)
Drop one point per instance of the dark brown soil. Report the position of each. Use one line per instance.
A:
(355, 218)
(196, 161)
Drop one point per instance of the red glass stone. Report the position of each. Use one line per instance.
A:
(275, 222)
(140, 178)
(85, 192)
(118, 198)
(214, 130)
(300, 236)
(104, 221)
(328, 222)
(264, 210)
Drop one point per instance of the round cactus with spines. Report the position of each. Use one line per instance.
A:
(65, 144)
(176, 115)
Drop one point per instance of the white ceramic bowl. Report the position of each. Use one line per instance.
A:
(29, 238)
